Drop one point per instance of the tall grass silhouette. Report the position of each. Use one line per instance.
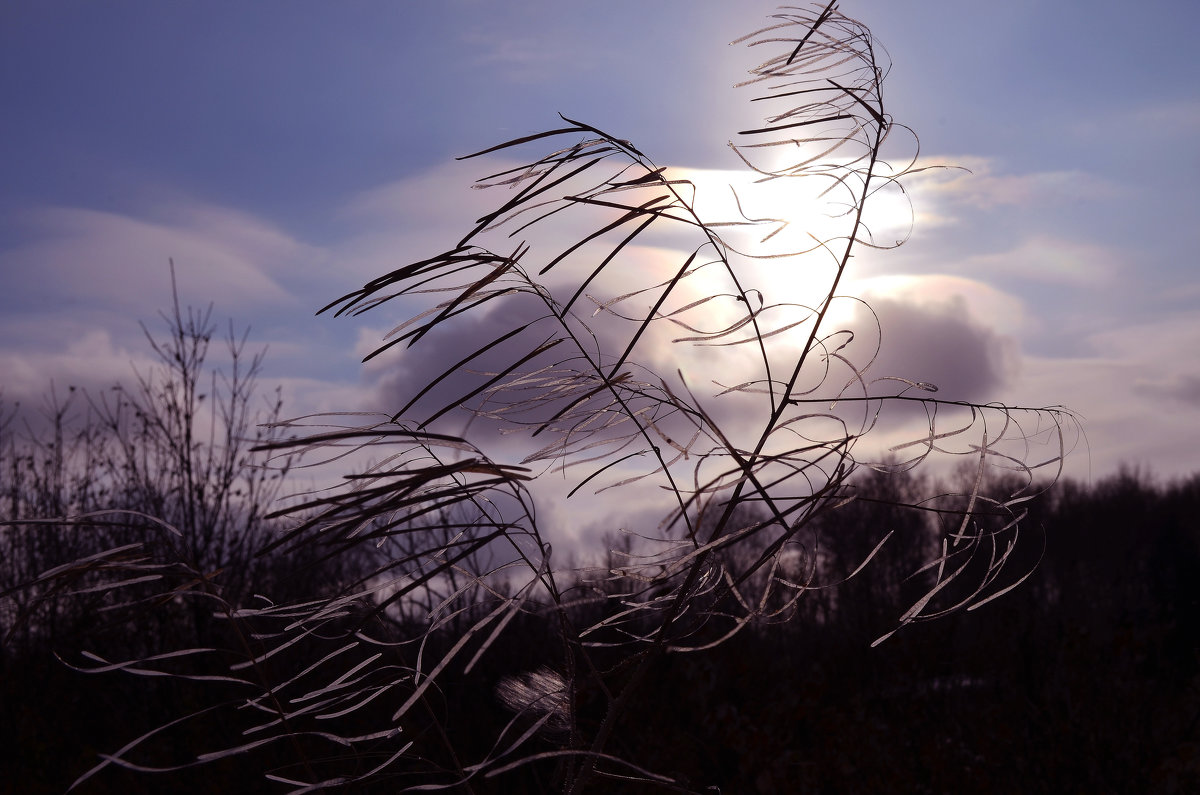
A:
(622, 343)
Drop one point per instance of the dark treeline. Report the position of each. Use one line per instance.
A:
(1086, 677)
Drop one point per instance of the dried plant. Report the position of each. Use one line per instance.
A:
(699, 382)
(152, 483)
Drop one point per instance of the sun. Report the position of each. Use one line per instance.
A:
(786, 239)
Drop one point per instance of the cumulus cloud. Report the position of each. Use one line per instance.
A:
(931, 333)
(940, 343)
(987, 304)
(954, 332)
(942, 329)
(404, 371)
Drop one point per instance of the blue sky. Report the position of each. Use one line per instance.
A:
(282, 153)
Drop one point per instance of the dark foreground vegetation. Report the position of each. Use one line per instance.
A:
(1085, 678)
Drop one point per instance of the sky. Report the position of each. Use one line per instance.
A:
(283, 153)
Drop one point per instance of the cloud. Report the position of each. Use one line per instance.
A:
(87, 257)
(792, 212)
(955, 332)
(930, 333)
(988, 305)
(402, 372)
(405, 220)
(89, 362)
(1178, 117)
(974, 181)
(88, 275)
(940, 343)
(80, 280)
(442, 195)
(1138, 395)
(1163, 355)
(1044, 258)
(1181, 387)
(944, 329)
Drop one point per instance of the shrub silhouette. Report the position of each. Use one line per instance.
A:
(160, 469)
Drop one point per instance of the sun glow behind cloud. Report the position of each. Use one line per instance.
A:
(793, 234)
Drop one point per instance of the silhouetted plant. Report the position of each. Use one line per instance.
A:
(593, 365)
(110, 496)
